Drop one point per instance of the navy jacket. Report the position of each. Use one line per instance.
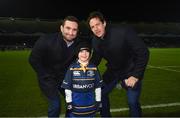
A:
(125, 53)
(50, 56)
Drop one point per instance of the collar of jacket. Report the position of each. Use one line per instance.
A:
(61, 38)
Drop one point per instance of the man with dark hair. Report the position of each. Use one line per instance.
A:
(126, 57)
(50, 58)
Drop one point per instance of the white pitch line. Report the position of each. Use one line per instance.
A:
(170, 66)
(144, 107)
(149, 106)
(163, 68)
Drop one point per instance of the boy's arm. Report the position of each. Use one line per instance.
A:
(68, 94)
(68, 98)
(98, 94)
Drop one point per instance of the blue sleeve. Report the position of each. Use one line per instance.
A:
(67, 80)
(98, 79)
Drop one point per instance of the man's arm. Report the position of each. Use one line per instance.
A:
(37, 56)
(141, 54)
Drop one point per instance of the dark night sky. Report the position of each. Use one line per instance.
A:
(113, 11)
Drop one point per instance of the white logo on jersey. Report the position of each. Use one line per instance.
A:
(85, 86)
(76, 73)
(90, 73)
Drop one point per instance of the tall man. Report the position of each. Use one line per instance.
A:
(50, 58)
(126, 57)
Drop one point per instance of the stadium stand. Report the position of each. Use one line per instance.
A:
(20, 33)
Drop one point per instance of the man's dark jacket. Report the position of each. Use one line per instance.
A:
(50, 58)
(125, 53)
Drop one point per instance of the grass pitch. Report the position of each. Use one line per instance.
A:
(20, 94)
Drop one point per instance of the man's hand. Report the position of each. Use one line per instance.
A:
(131, 81)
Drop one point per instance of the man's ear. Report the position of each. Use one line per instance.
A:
(104, 23)
(61, 28)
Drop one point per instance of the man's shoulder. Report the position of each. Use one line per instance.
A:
(95, 39)
(49, 36)
(117, 30)
(120, 27)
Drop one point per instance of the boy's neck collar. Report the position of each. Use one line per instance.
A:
(83, 63)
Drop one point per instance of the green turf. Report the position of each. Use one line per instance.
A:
(21, 96)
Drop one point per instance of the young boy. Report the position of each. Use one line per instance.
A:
(82, 85)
